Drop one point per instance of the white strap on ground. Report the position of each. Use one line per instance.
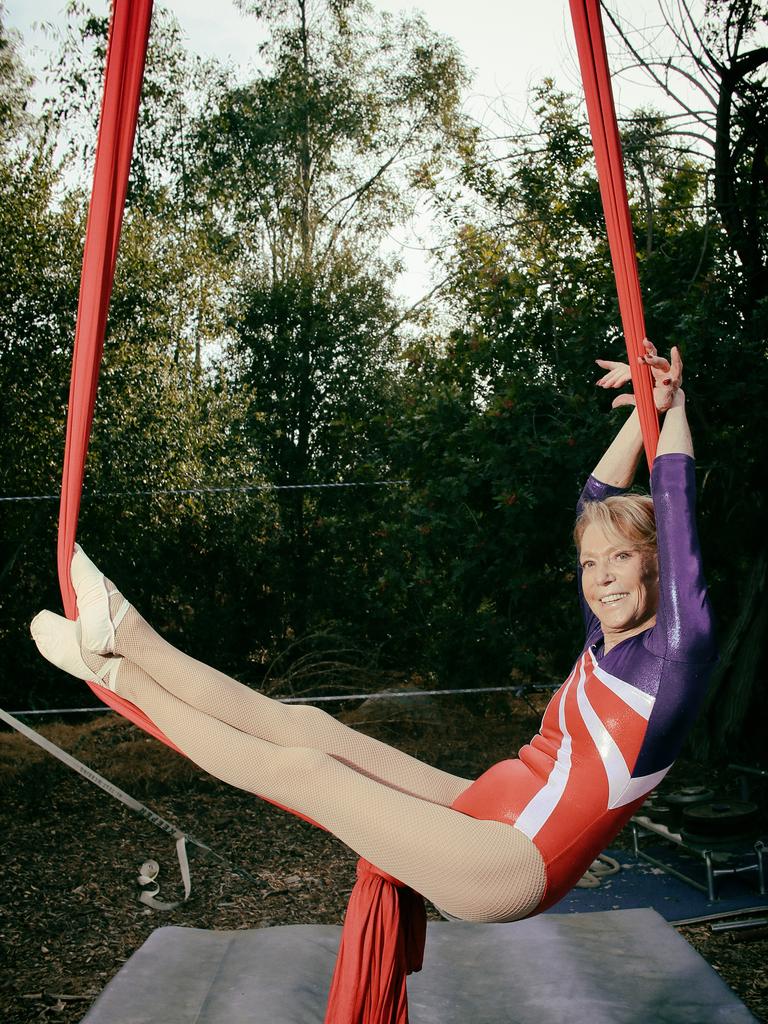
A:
(181, 838)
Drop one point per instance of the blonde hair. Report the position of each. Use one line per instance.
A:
(624, 517)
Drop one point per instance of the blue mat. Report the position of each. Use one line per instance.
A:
(640, 884)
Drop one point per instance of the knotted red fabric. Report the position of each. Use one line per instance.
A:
(385, 924)
(383, 941)
(593, 59)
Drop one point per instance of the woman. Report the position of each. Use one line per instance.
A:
(513, 842)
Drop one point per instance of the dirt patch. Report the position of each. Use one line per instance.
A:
(71, 854)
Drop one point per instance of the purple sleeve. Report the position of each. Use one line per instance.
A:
(594, 490)
(684, 629)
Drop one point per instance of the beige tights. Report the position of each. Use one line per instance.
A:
(385, 805)
(287, 725)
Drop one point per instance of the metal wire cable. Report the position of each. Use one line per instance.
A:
(518, 691)
(209, 490)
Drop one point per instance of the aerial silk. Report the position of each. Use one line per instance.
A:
(590, 43)
(385, 924)
(126, 54)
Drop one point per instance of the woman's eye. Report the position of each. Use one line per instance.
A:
(587, 565)
(623, 555)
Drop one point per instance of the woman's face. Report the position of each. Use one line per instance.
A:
(620, 582)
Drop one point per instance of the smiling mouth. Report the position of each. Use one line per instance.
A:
(613, 598)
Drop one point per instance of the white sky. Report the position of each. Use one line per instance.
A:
(510, 46)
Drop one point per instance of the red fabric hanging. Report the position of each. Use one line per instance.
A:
(383, 940)
(126, 54)
(384, 928)
(590, 43)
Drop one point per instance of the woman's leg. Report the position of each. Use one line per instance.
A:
(221, 697)
(475, 870)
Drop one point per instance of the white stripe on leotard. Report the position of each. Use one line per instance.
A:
(540, 807)
(638, 700)
(616, 769)
(622, 788)
(641, 786)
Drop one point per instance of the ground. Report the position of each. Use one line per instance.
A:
(71, 854)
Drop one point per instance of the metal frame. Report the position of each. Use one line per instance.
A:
(643, 826)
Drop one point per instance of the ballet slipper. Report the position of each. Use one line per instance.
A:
(58, 640)
(93, 593)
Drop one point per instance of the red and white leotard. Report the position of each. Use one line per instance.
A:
(613, 729)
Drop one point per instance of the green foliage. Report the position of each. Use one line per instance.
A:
(14, 86)
(346, 112)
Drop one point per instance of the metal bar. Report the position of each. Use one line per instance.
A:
(760, 851)
(749, 771)
(735, 870)
(732, 926)
(719, 916)
(710, 876)
(671, 871)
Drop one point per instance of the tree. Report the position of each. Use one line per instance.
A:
(163, 178)
(164, 422)
(312, 163)
(38, 240)
(297, 195)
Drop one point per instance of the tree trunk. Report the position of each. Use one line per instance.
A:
(304, 391)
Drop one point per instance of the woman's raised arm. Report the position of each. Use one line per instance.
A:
(619, 464)
(675, 435)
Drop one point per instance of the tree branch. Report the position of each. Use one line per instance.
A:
(358, 192)
(649, 66)
(411, 309)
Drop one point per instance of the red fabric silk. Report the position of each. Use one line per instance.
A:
(590, 43)
(384, 928)
(383, 940)
(126, 54)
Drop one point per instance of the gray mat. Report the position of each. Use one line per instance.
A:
(614, 967)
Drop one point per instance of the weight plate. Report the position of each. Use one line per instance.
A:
(658, 813)
(689, 795)
(720, 818)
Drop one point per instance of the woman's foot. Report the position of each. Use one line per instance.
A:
(58, 640)
(100, 604)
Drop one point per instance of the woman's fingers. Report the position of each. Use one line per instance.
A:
(656, 363)
(623, 400)
(618, 373)
(677, 366)
(653, 359)
(667, 376)
(614, 379)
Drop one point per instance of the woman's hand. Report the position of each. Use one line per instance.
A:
(667, 377)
